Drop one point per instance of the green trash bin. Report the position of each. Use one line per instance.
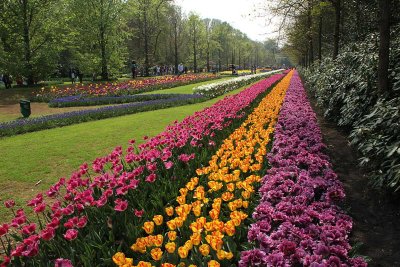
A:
(25, 106)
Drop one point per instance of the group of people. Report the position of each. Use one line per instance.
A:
(158, 70)
(7, 80)
(75, 74)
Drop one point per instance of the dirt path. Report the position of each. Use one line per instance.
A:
(376, 218)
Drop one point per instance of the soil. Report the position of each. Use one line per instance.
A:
(376, 216)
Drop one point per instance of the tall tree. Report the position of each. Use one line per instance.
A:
(196, 33)
(29, 37)
(97, 31)
(147, 21)
(177, 27)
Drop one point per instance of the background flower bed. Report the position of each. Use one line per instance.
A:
(220, 88)
(63, 119)
(298, 221)
(123, 88)
(100, 197)
(77, 101)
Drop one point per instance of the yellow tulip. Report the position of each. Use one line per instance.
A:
(148, 227)
(156, 254)
(158, 219)
(170, 247)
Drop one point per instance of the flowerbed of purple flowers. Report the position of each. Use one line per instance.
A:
(68, 118)
(298, 222)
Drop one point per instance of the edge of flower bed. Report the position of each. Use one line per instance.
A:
(298, 220)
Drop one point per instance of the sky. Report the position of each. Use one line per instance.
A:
(239, 13)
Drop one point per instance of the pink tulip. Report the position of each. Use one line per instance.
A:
(71, 234)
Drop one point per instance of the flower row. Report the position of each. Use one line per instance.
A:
(79, 116)
(83, 218)
(204, 222)
(78, 101)
(122, 88)
(298, 221)
(222, 87)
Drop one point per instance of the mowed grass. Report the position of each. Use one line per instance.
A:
(187, 89)
(31, 162)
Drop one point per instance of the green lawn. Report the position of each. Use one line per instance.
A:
(187, 89)
(50, 154)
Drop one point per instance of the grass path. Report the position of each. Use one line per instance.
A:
(50, 154)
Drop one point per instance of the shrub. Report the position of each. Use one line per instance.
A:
(347, 89)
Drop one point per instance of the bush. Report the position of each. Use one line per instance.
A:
(347, 89)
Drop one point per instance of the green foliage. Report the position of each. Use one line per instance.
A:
(346, 88)
(30, 37)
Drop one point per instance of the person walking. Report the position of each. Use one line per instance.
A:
(7, 80)
(180, 69)
(133, 69)
(79, 75)
(72, 75)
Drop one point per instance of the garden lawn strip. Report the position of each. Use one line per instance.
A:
(206, 221)
(298, 221)
(100, 204)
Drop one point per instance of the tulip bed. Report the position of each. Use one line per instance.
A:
(84, 220)
(122, 88)
(297, 221)
(78, 101)
(206, 221)
(219, 88)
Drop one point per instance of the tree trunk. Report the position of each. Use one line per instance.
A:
(27, 44)
(146, 46)
(310, 34)
(384, 45)
(336, 36)
(176, 56)
(320, 38)
(208, 55)
(194, 50)
(104, 68)
(219, 60)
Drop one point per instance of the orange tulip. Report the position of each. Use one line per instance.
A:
(148, 227)
(156, 254)
(183, 252)
(169, 211)
(158, 219)
(171, 235)
(213, 263)
(170, 247)
(204, 249)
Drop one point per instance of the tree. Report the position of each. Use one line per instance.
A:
(30, 31)
(147, 22)
(177, 26)
(196, 33)
(98, 32)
